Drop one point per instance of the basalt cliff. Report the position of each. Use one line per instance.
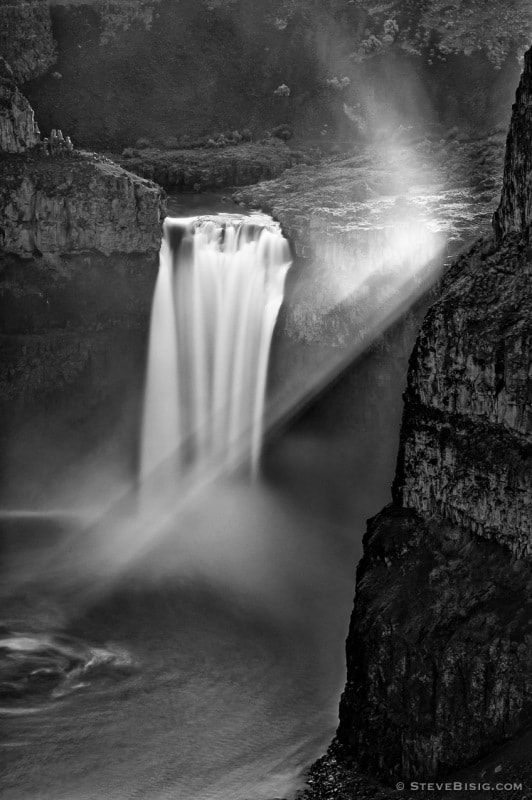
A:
(79, 238)
(439, 651)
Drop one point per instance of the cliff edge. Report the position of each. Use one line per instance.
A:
(79, 238)
(439, 652)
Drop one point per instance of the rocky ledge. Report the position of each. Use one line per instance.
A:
(439, 651)
(399, 208)
(53, 206)
(79, 238)
(212, 168)
(79, 241)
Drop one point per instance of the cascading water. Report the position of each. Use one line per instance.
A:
(217, 297)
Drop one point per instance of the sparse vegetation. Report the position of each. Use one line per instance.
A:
(439, 28)
(283, 132)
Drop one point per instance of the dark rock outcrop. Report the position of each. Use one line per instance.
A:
(26, 40)
(18, 131)
(60, 206)
(515, 210)
(439, 651)
(79, 238)
(468, 401)
(209, 168)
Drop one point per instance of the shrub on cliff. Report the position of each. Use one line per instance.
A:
(439, 28)
(283, 132)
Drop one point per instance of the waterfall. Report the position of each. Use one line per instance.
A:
(218, 293)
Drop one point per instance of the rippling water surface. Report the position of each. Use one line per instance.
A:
(217, 679)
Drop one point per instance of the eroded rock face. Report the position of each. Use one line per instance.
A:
(515, 210)
(26, 40)
(467, 428)
(78, 258)
(439, 651)
(77, 203)
(18, 131)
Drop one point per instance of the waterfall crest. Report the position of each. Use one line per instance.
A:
(218, 293)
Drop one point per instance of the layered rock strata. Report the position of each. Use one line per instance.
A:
(439, 651)
(57, 206)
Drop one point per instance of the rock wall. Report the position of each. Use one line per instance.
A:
(57, 206)
(117, 16)
(26, 40)
(515, 210)
(79, 238)
(209, 168)
(18, 130)
(467, 427)
(439, 651)
(160, 69)
(78, 260)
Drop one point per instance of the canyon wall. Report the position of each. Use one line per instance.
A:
(26, 40)
(112, 72)
(64, 205)
(439, 651)
(79, 238)
(515, 209)
(18, 130)
(78, 254)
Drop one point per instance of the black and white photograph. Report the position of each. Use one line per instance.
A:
(266, 399)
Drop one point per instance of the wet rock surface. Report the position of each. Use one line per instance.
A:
(504, 775)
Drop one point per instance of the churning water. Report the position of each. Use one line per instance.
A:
(190, 647)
